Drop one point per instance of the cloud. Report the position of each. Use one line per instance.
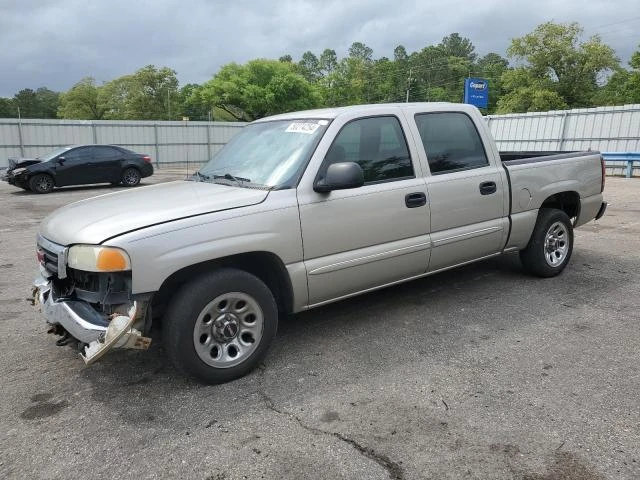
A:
(56, 43)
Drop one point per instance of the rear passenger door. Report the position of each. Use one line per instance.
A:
(466, 191)
(107, 161)
(365, 237)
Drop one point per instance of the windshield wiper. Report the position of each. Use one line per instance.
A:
(201, 177)
(228, 176)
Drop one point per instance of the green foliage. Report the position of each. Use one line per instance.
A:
(8, 108)
(41, 103)
(151, 93)
(260, 88)
(623, 87)
(555, 55)
(81, 101)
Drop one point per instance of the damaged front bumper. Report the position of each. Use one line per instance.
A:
(88, 326)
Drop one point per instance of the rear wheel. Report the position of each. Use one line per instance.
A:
(220, 325)
(41, 183)
(551, 244)
(131, 177)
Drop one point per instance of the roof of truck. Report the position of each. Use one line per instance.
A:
(330, 113)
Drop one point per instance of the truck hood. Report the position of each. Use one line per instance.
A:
(96, 219)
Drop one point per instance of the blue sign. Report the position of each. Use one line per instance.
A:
(476, 92)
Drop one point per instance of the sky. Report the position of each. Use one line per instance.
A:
(56, 43)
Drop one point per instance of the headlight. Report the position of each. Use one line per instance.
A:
(93, 258)
(17, 171)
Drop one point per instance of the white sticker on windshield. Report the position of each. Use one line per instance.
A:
(302, 127)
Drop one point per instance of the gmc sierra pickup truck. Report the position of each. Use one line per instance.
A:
(296, 211)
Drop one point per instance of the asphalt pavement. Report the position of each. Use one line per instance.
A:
(477, 373)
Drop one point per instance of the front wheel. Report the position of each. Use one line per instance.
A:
(219, 326)
(551, 244)
(41, 183)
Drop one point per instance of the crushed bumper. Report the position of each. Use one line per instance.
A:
(88, 326)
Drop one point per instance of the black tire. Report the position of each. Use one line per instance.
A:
(551, 244)
(131, 177)
(184, 321)
(41, 183)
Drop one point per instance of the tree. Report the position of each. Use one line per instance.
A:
(328, 62)
(48, 102)
(260, 88)
(8, 108)
(309, 66)
(150, 93)
(192, 104)
(26, 102)
(454, 45)
(42, 103)
(491, 67)
(81, 101)
(623, 86)
(527, 93)
(555, 53)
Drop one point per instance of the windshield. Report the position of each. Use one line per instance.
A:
(271, 154)
(54, 154)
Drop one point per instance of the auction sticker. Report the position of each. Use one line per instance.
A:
(302, 127)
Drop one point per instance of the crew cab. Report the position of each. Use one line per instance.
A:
(297, 211)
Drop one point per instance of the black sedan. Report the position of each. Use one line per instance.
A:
(79, 165)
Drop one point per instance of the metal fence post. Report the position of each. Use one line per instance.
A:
(563, 131)
(208, 141)
(155, 138)
(629, 169)
(94, 132)
(20, 137)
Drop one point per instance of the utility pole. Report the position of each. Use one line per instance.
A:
(408, 86)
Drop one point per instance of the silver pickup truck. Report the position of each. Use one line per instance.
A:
(296, 211)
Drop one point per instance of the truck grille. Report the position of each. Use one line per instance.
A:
(53, 257)
(50, 260)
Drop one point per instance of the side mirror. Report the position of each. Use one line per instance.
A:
(61, 160)
(340, 176)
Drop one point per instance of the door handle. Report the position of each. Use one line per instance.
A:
(417, 199)
(487, 188)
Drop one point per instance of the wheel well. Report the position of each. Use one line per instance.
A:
(48, 174)
(568, 202)
(265, 265)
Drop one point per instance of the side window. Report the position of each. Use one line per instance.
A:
(377, 144)
(105, 153)
(76, 154)
(451, 142)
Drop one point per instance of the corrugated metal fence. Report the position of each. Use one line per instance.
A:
(166, 142)
(607, 129)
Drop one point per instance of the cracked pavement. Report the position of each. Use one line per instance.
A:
(481, 372)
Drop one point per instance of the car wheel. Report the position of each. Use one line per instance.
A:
(131, 177)
(219, 326)
(41, 183)
(551, 244)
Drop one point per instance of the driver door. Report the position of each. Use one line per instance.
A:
(377, 234)
(75, 167)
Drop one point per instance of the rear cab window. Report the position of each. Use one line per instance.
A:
(451, 142)
(377, 144)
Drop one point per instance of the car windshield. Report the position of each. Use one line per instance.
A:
(271, 154)
(54, 154)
